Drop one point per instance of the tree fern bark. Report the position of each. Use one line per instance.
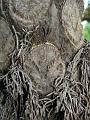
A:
(47, 77)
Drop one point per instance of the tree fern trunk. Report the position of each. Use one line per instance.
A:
(47, 76)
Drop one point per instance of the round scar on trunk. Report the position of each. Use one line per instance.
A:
(44, 64)
(7, 44)
(28, 12)
(72, 23)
